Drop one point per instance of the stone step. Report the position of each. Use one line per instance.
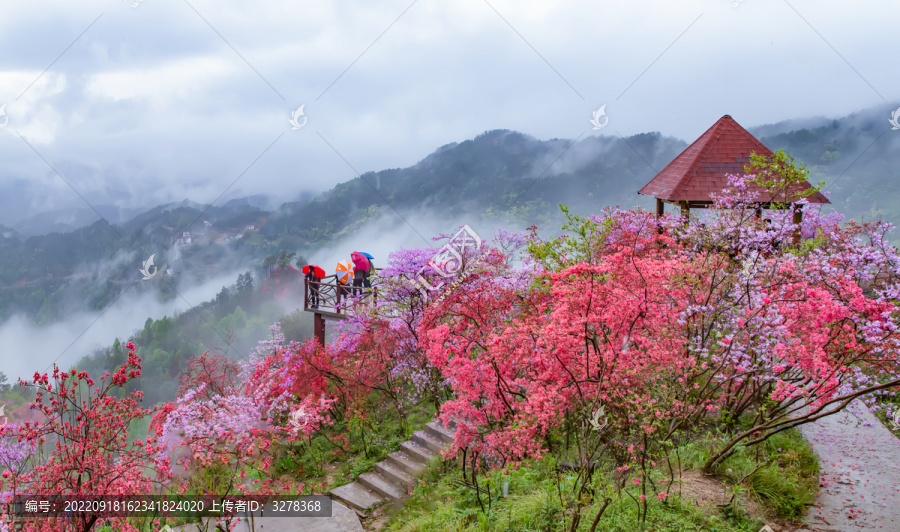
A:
(417, 452)
(393, 478)
(357, 497)
(403, 461)
(396, 475)
(428, 441)
(380, 485)
(437, 430)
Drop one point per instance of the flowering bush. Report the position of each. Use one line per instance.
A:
(80, 446)
(215, 373)
(392, 329)
(221, 433)
(672, 328)
(628, 335)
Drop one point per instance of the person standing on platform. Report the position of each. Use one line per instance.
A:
(359, 278)
(367, 283)
(312, 280)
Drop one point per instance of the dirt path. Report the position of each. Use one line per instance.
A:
(859, 486)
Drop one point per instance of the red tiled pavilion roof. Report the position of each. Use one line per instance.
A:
(700, 169)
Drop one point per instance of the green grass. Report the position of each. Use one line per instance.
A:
(785, 484)
(370, 442)
(533, 504)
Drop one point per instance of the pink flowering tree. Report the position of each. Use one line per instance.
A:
(80, 447)
(216, 373)
(412, 281)
(230, 420)
(671, 329)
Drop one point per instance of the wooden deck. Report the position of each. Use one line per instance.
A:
(330, 299)
(328, 313)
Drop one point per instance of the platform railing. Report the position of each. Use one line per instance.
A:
(333, 298)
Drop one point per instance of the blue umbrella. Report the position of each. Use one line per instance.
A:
(366, 254)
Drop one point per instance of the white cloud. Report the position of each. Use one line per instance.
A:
(26, 348)
(162, 86)
(33, 113)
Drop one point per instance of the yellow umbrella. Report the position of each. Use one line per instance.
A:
(344, 271)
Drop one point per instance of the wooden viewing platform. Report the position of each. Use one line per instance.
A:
(329, 298)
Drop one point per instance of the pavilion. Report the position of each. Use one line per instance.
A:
(698, 171)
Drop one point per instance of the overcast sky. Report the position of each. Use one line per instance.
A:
(149, 101)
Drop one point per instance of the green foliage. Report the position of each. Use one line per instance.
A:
(440, 503)
(166, 344)
(297, 325)
(578, 247)
(371, 439)
(782, 472)
(782, 176)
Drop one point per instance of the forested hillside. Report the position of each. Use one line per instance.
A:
(500, 176)
(230, 325)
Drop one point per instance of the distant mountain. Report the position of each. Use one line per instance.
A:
(858, 156)
(8, 232)
(499, 176)
(67, 220)
(260, 201)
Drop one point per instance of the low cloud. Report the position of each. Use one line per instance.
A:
(27, 347)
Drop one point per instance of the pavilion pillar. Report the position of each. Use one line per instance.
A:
(685, 211)
(319, 328)
(798, 218)
(660, 207)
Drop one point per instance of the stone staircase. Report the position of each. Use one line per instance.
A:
(392, 479)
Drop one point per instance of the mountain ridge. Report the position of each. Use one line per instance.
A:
(500, 176)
